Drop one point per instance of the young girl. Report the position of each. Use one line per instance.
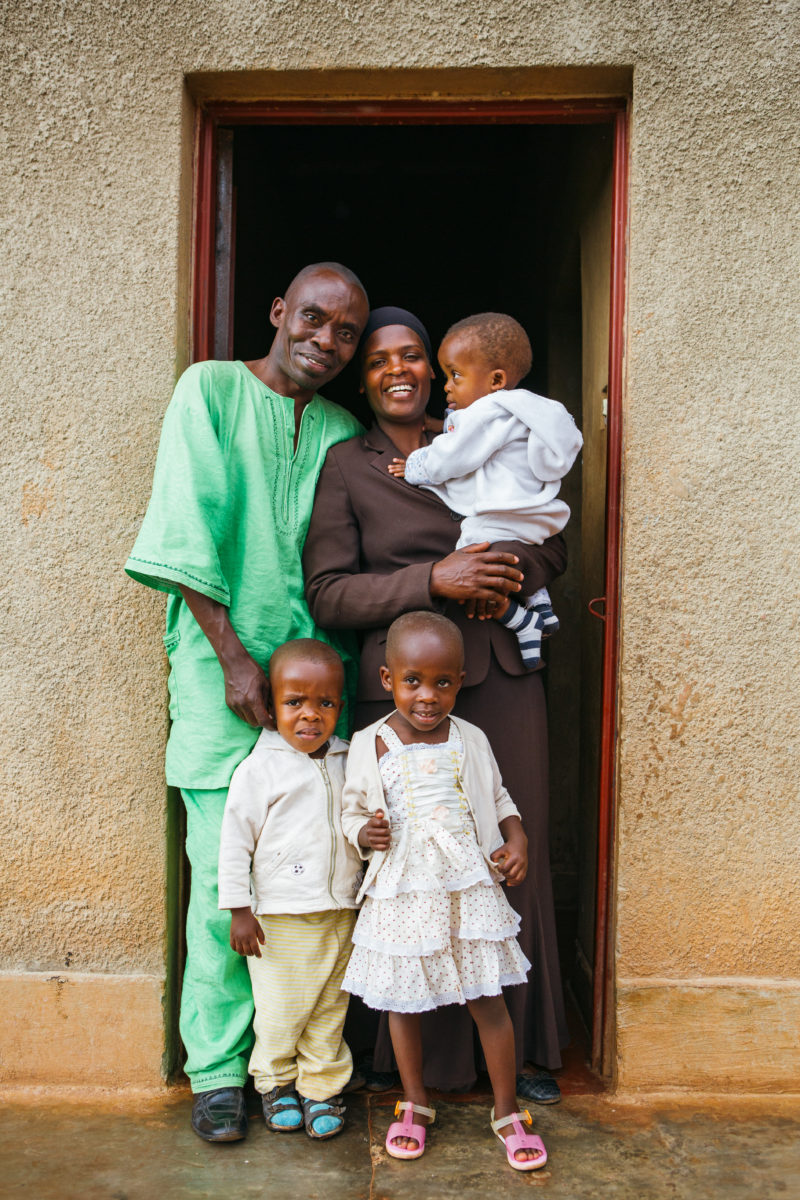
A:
(435, 927)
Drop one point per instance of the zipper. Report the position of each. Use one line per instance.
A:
(332, 828)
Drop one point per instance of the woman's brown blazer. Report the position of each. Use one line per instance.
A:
(371, 544)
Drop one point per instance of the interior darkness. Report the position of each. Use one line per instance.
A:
(443, 220)
(447, 221)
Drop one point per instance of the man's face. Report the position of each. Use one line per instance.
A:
(319, 322)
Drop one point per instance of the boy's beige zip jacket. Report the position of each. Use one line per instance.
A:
(284, 815)
(363, 795)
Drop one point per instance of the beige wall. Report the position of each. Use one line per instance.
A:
(96, 128)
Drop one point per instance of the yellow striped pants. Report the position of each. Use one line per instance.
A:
(300, 1007)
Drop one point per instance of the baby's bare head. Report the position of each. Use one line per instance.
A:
(497, 342)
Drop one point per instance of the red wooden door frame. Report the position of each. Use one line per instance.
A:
(476, 112)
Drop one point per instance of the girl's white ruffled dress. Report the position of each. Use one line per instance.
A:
(435, 927)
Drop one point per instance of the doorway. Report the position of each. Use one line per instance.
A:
(448, 217)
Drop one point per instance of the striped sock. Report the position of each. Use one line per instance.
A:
(527, 625)
(541, 601)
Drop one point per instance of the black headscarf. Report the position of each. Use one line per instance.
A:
(379, 318)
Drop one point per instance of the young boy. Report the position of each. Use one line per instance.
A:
(502, 456)
(282, 823)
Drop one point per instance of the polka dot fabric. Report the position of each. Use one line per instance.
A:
(435, 927)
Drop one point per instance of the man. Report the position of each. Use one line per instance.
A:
(241, 448)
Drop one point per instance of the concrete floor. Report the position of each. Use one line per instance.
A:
(142, 1148)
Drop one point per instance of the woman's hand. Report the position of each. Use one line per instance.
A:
(476, 573)
(246, 933)
(377, 833)
(511, 859)
(486, 610)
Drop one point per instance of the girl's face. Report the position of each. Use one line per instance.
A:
(396, 375)
(424, 677)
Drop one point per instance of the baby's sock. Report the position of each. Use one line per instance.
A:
(527, 625)
(542, 603)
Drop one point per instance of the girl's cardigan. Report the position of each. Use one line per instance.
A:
(363, 795)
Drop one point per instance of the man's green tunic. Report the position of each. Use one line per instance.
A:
(228, 517)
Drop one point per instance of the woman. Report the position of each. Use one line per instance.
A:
(378, 547)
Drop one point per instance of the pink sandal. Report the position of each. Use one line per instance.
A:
(520, 1140)
(407, 1129)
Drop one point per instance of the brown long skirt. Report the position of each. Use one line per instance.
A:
(510, 709)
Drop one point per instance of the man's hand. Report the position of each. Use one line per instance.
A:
(377, 833)
(246, 933)
(246, 685)
(397, 467)
(246, 688)
(511, 859)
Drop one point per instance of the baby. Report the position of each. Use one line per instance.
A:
(282, 824)
(502, 456)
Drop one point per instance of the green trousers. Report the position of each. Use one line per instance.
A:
(217, 1000)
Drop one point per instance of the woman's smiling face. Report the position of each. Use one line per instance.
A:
(396, 375)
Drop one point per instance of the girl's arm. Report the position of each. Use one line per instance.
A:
(367, 829)
(511, 859)
(376, 834)
(356, 812)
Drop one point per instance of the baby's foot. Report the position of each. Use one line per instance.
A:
(527, 625)
(550, 623)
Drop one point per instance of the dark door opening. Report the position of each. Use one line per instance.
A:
(447, 220)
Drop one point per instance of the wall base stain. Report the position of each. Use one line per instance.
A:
(76, 1028)
(718, 1036)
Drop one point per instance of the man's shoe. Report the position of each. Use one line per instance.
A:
(220, 1115)
(541, 1088)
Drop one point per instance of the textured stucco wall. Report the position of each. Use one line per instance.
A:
(96, 129)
